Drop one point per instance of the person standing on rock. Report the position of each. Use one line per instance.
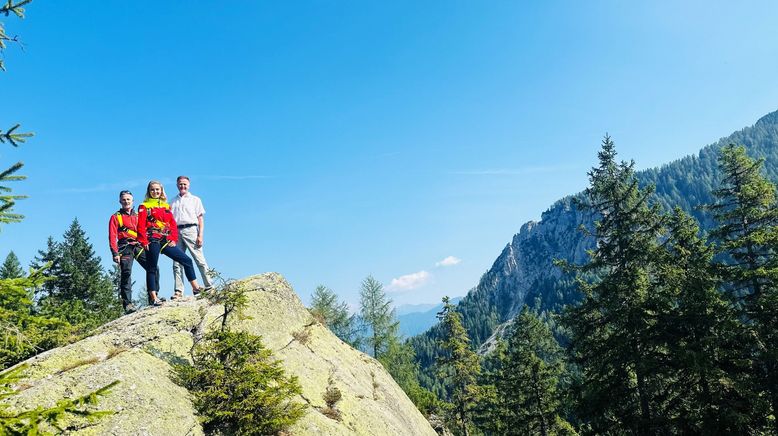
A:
(158, 233)
(123, 240)
(188, 211)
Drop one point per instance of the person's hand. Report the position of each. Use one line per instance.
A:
(145, 247)
(171, 243)
(117, 258)
(199, 241)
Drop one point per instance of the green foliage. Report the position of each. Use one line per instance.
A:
(611, 328)
(11, 136)
(335, 315)
(399, 360)
(499, 295)
(230, 294)
(378, 315)
(706, 346)
(490, 414)
(528, 377)
(238, 388)
(41, 420)
(11, 268)
(10, 7)
(236, 385)
(746, 210)
(458, 366)
(23, 331)
(80, 292)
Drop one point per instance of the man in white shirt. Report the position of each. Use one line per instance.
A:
(188, 211)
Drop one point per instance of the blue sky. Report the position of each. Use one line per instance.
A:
(332, 140)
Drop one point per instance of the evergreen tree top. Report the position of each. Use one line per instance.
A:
(11, 268)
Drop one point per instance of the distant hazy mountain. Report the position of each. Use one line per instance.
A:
(524, 272)
(405, 309)
(416, 318)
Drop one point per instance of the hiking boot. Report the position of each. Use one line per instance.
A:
(177, 295)
(199, 291)
(157, 303)
(130, 309)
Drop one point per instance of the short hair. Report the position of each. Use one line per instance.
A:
(125, 192)
(148, 189)
(178, 179)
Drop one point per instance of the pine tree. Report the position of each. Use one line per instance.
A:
(335, 315)
(746, 211)
(81, 291)
(490, 414)
(11, 268)
(50, 260)
(529, 376)
(236, 384)
(707, 391)
(459, 366)
(611, 328)
(378, 315)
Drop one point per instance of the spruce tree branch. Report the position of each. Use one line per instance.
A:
(16, 8)
(13, 137)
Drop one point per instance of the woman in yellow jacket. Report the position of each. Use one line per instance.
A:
(158, 233)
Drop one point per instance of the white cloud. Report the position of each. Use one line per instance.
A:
(449, 261)
(410, 281)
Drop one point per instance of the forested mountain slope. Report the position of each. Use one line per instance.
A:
(524, 272)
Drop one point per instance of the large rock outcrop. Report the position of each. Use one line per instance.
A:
(138, 350)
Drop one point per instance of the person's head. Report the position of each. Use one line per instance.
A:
(183, 184)
(155, 190)
(125, 200)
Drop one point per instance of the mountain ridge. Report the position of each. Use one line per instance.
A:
(524, 273)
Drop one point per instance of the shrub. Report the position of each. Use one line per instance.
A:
(238, 388)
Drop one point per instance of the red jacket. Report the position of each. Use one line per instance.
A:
(155, 221)
(126, 232)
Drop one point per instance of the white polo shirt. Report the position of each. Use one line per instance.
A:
(186, 209)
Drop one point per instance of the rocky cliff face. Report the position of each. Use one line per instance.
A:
(138, 350)
(524, 272)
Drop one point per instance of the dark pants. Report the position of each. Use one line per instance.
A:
(175, 253)
(129, 253)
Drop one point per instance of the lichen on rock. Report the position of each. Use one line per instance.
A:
(139, 349)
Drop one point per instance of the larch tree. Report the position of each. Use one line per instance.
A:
(377, 314)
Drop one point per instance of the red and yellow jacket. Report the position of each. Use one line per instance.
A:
(155, 221)
(122, 228)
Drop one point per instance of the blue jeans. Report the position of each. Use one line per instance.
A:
(175, 253)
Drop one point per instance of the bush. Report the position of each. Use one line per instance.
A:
(238, 388)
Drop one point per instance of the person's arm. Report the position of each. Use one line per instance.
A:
(200, 212)
(113, 235)
(200, 229)
(142, 226)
